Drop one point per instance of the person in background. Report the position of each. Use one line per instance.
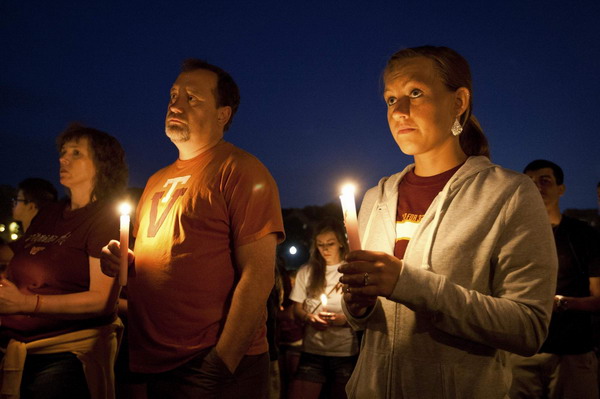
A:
(59, 328)
(566, 365)
(291, 332)
(274, 307)
(330, 346)
(459, 264)
(32, 194)
(206, 230)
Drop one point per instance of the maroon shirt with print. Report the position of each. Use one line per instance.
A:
(52, 258)
(415, 194)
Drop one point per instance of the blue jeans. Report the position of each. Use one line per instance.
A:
(206, 376)
(54, 376)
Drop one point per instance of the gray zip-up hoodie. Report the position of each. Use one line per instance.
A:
(478, 279)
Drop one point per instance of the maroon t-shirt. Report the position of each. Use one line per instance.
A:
(415, 194)
(53, 258)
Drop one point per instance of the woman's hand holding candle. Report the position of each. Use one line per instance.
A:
(316, 321)
(333, 319)
(368, 275)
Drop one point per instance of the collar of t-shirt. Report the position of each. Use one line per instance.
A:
(415, 195)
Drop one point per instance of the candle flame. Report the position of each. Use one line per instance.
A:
(125, 208)
(348, 188)
(324, 299)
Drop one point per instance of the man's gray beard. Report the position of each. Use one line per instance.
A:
(177, 134)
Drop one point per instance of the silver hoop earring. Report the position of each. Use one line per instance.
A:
(456, 128)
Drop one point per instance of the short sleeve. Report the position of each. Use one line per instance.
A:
(298, 293)
(104, 227)
(253, 200)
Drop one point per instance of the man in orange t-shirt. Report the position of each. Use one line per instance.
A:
(206, 231)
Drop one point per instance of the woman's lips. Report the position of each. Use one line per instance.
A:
(405, 130)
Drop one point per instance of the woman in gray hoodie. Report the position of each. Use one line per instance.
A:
(459, 263)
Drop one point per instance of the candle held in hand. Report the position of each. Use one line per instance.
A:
(323, 302)
(124, 210)
(350, 219)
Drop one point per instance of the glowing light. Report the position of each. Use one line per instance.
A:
(14, 236)
(2, 228)
(125, 208)
(293, 250)
(348, 189)
(324, 300)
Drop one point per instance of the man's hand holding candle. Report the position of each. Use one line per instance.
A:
(110, 258)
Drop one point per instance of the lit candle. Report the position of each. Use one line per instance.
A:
(324, 302)
(350, 220)
(125, 210)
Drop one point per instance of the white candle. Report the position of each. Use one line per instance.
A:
(125, 210)
(350, 220)
(324, 302)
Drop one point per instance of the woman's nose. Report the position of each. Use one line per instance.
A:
(401, 109)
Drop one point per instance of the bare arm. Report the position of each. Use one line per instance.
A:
(99, 299)
(299, 312)
(256, 263)
(585, 304)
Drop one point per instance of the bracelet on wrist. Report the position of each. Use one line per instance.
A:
(38, 304)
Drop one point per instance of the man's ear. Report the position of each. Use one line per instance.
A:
(561, 189)
(223, 115)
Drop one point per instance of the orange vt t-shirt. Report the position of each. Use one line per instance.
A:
(191, 216)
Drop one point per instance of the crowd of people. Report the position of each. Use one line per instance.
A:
(470, 282)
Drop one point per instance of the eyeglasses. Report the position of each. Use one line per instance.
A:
(16, 200)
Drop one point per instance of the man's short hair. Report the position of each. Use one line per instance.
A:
(228, 92)
(541, 164)
(39, 191)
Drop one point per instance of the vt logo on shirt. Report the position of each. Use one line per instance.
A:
(172, 195)
(406, 227)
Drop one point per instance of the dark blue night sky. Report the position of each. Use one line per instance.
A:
(309, 74)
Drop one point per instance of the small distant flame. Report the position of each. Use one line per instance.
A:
(324, 299)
